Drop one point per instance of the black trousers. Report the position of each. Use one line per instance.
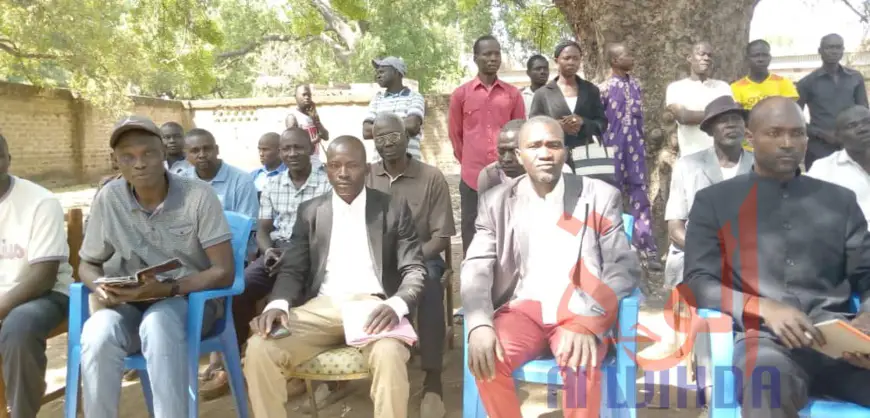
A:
(783, 380)
(431, 322)
(468, 213)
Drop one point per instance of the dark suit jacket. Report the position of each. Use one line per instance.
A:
(494, 260)
(803, 243)
(393, 244)
(549, 101)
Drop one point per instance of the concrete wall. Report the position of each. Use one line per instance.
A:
(58, 140)
(238, 124)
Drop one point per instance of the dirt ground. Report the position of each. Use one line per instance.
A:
(358, 405)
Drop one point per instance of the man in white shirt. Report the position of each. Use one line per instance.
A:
(34, 284)
(305, 116)
(849, 167)
(336, 256)
(521, 292)
(687, 98)
(538, 70)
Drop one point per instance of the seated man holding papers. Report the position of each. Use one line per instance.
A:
(147, 218)
(354, 244)
(795, 249)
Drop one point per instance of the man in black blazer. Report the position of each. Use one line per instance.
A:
(780, 252)
(354, 244)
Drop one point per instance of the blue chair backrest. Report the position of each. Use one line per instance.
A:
(240, 227)
(628, 224)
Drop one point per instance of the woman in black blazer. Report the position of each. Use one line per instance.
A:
(571, 100)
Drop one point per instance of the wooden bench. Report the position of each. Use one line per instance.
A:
(75, 235)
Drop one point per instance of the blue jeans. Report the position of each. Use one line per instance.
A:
(159, 333)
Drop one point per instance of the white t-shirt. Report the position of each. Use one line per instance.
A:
(31, 231)
(694, 95)
(731, 172)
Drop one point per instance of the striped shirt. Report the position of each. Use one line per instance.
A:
(403, 103)
(280, 199)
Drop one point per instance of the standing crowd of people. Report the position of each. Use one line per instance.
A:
(541, 244)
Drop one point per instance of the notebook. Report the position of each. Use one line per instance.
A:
(841, 337)
(355, 314)
(159, 271)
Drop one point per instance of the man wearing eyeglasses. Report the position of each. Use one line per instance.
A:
(427, 193)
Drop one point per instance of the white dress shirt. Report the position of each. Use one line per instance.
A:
(350, 269)
(839, 168)
(552, 250)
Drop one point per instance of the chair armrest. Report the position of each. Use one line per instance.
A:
(79, 311)
(202, 296)
(196, 302)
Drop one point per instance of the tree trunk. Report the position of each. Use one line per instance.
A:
(660, 34)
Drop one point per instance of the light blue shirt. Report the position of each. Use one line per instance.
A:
(234, 188)
(262, 175)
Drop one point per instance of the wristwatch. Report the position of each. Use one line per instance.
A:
(173, 292)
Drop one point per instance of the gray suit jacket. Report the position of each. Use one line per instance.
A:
(393, 245)
(694, 172)
(494, 259)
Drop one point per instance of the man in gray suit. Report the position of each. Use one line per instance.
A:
(354, 244)
(724, 120)
(520, 289)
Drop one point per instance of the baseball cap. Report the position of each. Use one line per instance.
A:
(397, 63)
(132, 123)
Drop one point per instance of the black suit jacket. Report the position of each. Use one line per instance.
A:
(549, 101)
(803, 242)
(393, 244)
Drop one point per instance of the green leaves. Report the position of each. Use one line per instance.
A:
(108, 49)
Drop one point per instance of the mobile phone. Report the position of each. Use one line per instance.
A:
(278, 331)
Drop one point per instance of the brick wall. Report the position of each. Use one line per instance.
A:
(57, 140)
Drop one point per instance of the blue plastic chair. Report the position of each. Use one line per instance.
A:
(618, 396)
(221, 339)
(724, 402)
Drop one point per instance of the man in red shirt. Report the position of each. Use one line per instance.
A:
(478, 110)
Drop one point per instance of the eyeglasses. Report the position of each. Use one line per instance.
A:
(390, 138)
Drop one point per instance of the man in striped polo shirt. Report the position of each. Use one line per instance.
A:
(397, 99)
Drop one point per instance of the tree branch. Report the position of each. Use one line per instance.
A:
(6, 45)
(347, 31)
(863, 16)
(254, 45)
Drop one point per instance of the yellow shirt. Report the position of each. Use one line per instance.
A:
(748, 93)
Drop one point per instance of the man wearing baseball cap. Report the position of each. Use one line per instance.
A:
(146, 218)
(396, 99)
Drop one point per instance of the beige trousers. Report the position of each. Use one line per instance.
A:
(314, 328)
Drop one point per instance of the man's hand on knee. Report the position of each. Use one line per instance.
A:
(263, 324)
(483, 352)
(577, 349)
(793, 327)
